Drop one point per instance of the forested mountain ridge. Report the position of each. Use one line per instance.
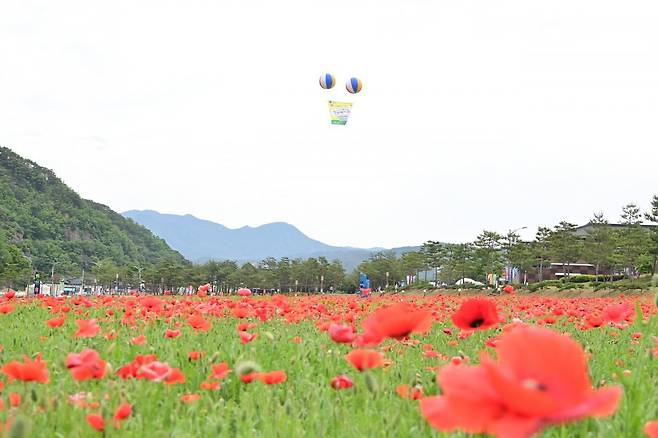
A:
(47, 223)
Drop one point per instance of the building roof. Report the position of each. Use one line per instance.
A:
(582, 230)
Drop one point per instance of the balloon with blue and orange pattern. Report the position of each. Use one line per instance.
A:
(353, 85)
(327, 81)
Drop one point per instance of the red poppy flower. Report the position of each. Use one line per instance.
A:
(540, 378)
(198, 323)
(210, 386)
(244, 326)
(273, 377)
(397, 321)
(405, 391)
(240, 312)
(247, 337)
(6, 308)
(249, 377)
(123, 411)
(172, 333)
(617, 312)
(220, 371)
(190, 398)
(56, 322)
(138, 340)
(27, 371)
(86, 365)
(508, 289)
(476, 313)
(343, 334)
(10, 294)
(195, 355)
(96, 421)
(365, 359)
(132, 369)
(341, 382)
(156, 371)
(14, 399)
(176, 376)
(594, 321)
(86, 329)
(651, 429)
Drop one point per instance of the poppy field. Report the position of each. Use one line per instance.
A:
(328, 365)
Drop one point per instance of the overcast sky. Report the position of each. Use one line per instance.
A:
(474, 114)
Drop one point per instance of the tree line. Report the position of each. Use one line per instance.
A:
(627, 247)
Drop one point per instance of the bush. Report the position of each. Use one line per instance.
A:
(534, 287)
(586, 278)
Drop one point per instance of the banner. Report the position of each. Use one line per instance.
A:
(340, 112)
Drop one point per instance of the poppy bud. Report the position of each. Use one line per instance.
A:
(246, 367)
(268, 335)
(371, 382)
(19, 429)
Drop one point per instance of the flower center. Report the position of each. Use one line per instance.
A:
(533, 384)
(477, 322)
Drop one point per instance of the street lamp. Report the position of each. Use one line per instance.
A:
(518, 229)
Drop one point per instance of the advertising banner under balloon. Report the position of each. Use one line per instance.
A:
(340, 112)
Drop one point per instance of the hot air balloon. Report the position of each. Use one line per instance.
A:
(327, 81)
(353, 85)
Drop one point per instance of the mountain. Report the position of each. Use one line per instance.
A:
(201, 240)
(51, 225)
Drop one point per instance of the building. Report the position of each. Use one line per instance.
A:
(556, 271)
(583, 229)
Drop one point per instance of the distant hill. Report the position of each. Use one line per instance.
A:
(51, 225)
(201, 240)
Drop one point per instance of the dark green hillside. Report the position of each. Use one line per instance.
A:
(49, 223)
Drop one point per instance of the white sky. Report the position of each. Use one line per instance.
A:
(474, 114)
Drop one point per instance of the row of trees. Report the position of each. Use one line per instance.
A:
(284, 274)
(627, 247)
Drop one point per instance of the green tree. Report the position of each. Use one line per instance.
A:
(105, 272)
(460, 261)
(523, 256)
(412, 263)
(15, 268)
(378, 264)
(599, 242)
(652, 216)
(435, 256)
(565, 246)
(542, 249)
(488, 249)
(633, 239)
